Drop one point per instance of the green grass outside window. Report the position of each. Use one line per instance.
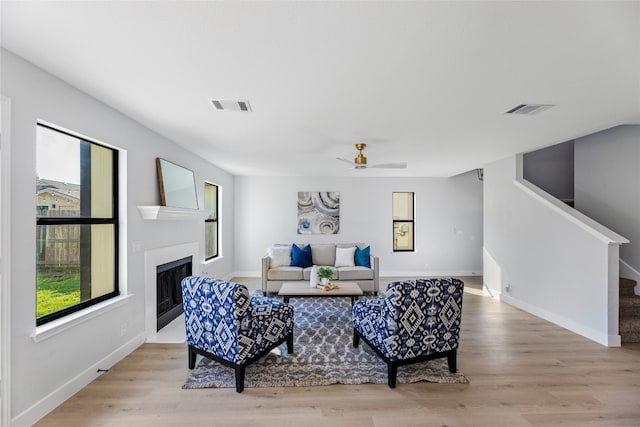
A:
(57, 288)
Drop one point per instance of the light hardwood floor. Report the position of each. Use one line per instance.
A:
(522, 371)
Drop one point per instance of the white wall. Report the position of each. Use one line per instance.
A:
(607, 182)
(44, 373)
(266, 213)
(556, 261)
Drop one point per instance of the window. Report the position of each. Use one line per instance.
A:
(403, 226)
(211, 223)
(77, 223)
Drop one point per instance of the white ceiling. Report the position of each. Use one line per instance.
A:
(423, 82)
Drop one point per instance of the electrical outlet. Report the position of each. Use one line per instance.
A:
(507, 288)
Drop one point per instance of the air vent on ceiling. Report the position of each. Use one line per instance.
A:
(230, 105)
(529, 109)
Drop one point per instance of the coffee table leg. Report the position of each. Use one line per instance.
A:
(285, 299)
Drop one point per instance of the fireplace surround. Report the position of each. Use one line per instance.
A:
(152, 259)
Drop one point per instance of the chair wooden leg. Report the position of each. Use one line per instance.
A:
(290, 343)
(239, 378)
(191, 357)
(392, 373)
(356, 338)
(452, 361)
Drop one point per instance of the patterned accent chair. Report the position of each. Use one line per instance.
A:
(415, 321)
(227, 325)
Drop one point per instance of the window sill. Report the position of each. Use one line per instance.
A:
(60, 325)
(209, 261)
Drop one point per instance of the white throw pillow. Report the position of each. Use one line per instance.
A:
(345, 257)
(280, 256)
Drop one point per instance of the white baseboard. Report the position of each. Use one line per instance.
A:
(427, 274)
(488, 292)
(382, 274)
(592, 334)
(244, 274)
(48, 403)
(614, 341)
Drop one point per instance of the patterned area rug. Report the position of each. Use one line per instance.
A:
(323, 355)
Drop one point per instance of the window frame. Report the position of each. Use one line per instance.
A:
(215, 220)
(399, 221)
(114, 220)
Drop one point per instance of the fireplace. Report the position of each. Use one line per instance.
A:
(152, 259)
(168, 290)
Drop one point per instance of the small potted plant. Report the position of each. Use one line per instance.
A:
(325, 274)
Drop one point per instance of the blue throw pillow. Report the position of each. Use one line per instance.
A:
(362, 257)
(301, 257)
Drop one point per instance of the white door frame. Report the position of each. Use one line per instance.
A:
(5, 273)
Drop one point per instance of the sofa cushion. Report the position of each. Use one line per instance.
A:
(354, 273)
(285, 273)
(301, 257)
(279, 256)
(345, 257)
(324, 254)
(363, 257)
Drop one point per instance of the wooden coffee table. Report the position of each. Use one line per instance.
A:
(303, 290)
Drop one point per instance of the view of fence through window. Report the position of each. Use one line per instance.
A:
(76, 223)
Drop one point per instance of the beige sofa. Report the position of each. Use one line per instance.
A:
(276, 269)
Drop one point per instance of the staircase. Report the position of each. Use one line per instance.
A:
(629, 314)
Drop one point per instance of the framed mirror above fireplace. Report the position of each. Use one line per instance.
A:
(177, 185)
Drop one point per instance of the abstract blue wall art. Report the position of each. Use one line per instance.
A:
(318, 212)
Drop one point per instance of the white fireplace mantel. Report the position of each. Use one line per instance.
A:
(171, 213)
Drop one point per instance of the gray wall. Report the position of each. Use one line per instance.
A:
(552, 169)
(607, 184)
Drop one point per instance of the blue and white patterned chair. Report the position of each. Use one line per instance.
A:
(415, 321)
(227, 325)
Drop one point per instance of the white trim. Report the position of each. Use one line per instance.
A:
(5, 270)
(614, 341)
(592, 334)
(171, 213)
(159, 256)
(402, 273)
(69, 321)
(48, 403)
(243, 274)
(598, 230)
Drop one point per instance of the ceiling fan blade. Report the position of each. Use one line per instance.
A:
(346, 161)
(390, 166)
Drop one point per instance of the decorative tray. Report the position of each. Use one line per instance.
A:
(328, 287)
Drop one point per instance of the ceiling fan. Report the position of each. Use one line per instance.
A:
(360, 162)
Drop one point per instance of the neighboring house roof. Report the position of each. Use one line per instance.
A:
(62, 186)
(61, 189)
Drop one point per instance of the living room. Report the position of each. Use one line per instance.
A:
(466, 226)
